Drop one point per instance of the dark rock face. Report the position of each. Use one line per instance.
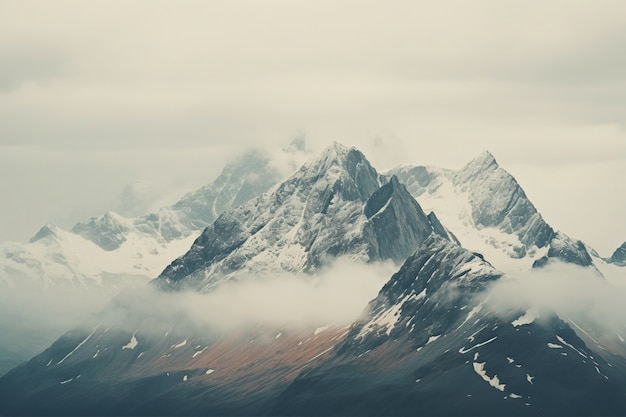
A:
(105, 231)
(566, 249)
(428, 345)
(334, 205)
(619, 256)
(398, 221)
(495, 197)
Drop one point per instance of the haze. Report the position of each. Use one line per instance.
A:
(96, 95)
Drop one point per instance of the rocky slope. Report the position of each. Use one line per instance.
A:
(430, 344)
(486, 208)
(334, 205)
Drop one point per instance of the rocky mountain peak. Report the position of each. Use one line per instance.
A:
(49, 230)
(334, 205)
(619, 256)
(483, 162)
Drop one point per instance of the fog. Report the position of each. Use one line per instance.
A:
(578, 295)
(95, 95)
(336, 295)
(32, 317)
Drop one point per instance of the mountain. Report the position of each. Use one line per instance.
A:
(619, 256)
(436, 340)
(334, 205)
(100, 257)
(489, 212)
(430, 344)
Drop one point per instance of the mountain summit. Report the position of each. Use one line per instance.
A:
(336, 204)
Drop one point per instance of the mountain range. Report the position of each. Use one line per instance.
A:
(435, 340)
(98, 258)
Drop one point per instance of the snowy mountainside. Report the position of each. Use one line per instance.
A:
(335, 204)
(489, 212)
(113, 245)
(98, 258)
(431, 344)
(241, 180)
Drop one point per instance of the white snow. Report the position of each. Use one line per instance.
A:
(209, 371)
(526, 318)
(554, 346)
(510, 360)
(571, 347)
(479, 368)
(77, 347)
(511, 395)
(433, 338)
(185, 378)
(96, 354)
(463, 350)
(278, 335)
(132, 344)
(199, 352)
(320, 354)
(179, 345)
(319, 330)
(473, 312)
(388, 318)
(529, 378)
(66, 381)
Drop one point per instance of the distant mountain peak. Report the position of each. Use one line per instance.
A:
(297, 144)
(50, 229)
(484, 161)
(336, 204)
(619, 256)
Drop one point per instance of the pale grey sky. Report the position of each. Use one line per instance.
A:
(96, 94)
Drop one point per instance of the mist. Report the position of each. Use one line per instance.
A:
(32, 317)
(580, 296)
(334, 296)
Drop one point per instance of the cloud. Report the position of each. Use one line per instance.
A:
(337, 295)
(578, 295)
(536, 84)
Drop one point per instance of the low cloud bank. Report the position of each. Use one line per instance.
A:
(578, 295)
(336, 295)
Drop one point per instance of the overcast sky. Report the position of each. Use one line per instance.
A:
(96, 94)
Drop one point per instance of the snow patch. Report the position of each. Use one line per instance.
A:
(179, 345)
(209, 371)
(463, 350)
(132, 344)
(77, 347)
(526, 318)
(571, 347)
(554, 346)
(479, 368)
(198, 352)
(320, 330)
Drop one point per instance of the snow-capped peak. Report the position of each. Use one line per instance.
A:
(333, 205)
(49, 230)
(484, 161)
